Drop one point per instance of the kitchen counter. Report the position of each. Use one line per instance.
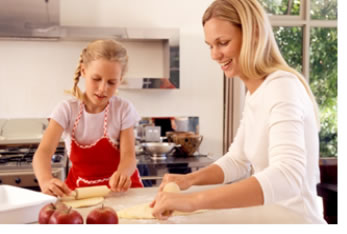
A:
(259, 214)
(197, 161)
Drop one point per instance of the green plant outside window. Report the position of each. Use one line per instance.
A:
(282, 7)
(323, 81)
(323, 61)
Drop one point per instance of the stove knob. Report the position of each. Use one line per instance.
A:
(18, 180)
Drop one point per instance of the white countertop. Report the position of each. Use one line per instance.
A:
(260, 214)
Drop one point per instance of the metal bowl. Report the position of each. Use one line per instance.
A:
(159, 149)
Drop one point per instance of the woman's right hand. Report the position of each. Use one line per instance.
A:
(183, 181)
(55, 187)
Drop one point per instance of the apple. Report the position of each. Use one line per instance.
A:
(102, 215)
(47, 210)
(66, 216)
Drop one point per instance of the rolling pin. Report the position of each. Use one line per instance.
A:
(87, 192)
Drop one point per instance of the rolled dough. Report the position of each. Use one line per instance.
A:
(84, 202)
(144, 211)
(86, 196)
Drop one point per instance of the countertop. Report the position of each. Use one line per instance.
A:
(260, 214)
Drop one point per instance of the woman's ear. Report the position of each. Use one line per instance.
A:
(83, 70)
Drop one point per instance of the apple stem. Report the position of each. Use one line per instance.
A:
(102, 206)
(68, 211)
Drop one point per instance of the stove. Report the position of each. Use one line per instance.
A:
(16, 165)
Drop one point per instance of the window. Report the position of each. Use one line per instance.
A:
(306, 32)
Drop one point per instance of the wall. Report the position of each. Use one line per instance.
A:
(33, 74)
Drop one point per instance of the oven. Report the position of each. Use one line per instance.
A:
(16, 165)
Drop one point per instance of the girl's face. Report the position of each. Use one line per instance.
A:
(224, 40)
(102, 79)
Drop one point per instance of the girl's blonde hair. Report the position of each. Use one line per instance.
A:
(259, 55)
(110, 50)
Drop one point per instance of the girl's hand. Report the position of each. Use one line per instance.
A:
(119, 182)
(55, 187)
(182, 181)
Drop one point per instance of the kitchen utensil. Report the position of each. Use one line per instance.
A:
(87, 192)
(152, 133)
(19, 205)
(170, 134)
(189, 142)
(159, 150)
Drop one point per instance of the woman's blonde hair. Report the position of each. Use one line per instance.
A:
(259, 55)
(110, 50)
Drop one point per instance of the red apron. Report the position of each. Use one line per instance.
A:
(94, 164)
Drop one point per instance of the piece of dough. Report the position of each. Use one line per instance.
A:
(84, 202)
(171, 187)
(144, 211)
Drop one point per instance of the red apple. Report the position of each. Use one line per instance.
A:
(66, 216)
(102, 215)
(47, 210)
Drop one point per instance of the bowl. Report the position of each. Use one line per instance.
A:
(159, 148)
(189, 142)
(19, 205)
(171, 134)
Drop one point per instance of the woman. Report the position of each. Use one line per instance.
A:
(96, 125)
(274, 156)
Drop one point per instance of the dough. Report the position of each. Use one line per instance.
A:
(140, 211)
(84, 202)
(86, 196)
(144, 211)
(171, 187)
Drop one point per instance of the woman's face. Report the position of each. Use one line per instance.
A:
(224, 40)
(102, 79)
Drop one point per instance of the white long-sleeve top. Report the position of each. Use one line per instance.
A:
(277, 142)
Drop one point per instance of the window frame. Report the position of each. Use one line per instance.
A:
(302, 20)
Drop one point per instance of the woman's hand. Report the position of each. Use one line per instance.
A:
(119, 181)
(55, 187)
(165, 203)
(183, 181)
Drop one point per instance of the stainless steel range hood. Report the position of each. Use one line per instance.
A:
(29, 19)
(40, 19)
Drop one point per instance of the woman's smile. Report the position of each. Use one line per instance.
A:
(226, 65)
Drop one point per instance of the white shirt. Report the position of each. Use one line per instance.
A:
(122, 115)
(278, 141)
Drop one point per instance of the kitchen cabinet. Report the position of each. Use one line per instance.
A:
(327, 188)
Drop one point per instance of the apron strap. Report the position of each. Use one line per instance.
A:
(106, 118)
(80, 115)
(76, 121)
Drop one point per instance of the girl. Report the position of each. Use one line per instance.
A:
(274, 156)
(96, 125)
